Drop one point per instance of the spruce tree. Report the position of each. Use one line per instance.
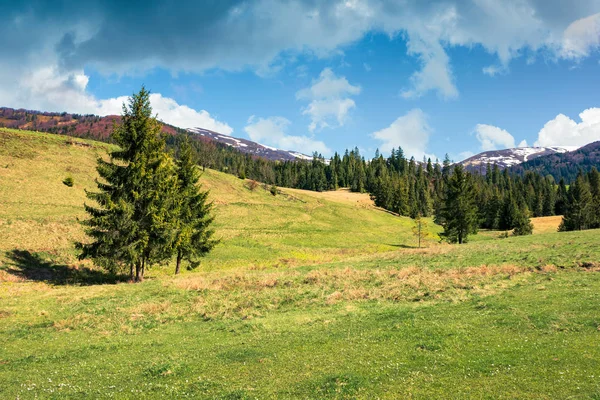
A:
(193, 236)
(522, 223)
(578, 214)
(459, 212)
(594, 178)
(130, 224)
(562, 198)
(509, 212)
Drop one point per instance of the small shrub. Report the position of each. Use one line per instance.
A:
(252, 185)
(273, 190)
(69, 181)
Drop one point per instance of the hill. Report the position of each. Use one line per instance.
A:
(310, 295)
(36, 205)
(99, 128)
(563, 165)
(82, 126)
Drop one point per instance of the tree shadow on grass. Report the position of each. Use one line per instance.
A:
(402, 246)
(34, 267)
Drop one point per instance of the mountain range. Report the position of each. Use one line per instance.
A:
(560, 161)
(510, 157)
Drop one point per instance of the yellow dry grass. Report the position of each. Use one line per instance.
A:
(344, 196)
(546, 224)
(249, 295)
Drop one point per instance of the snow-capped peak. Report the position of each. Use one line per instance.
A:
(247, 146)
(510, 157)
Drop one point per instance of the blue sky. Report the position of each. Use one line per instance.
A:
(435, 77)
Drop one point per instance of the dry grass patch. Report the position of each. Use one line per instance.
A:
(251, 294)
(546, 224)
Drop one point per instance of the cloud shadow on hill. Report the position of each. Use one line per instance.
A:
(34, 267)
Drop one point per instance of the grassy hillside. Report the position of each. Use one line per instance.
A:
(309, 296)
(39, 213)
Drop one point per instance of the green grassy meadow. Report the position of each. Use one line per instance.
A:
(309, 295)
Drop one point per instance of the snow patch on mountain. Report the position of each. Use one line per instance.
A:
(249, 147)
(510, 157)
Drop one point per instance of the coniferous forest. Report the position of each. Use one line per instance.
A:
(499, 200)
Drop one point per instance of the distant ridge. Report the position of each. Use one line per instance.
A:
(510, 157)
(563, 165)
(250, 147)
(100, 128)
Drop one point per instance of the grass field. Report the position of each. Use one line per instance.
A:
(310, 295)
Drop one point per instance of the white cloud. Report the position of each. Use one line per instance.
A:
(410, 131)
(581, 37)
(435, 73)
(523, 143)
(185, 117)
(493, 138)
(47, 89)
(272, 131)
(328, 85)
(266, 35)
(493, 70)
(563, 131)
(330, 101)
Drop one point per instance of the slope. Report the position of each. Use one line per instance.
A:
(39, 213)
(266, 317)
(99, 128)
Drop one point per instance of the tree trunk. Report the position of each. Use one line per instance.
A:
(138, 270)
(179, 257)
(131, 272)
(143, 269)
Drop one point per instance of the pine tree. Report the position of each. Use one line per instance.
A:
(492, 210)
(130, 226)
(522, 223)
(459, 212)
(578, 214)
(562, 198)
(594, 179)
(193, 234)
(509, 212)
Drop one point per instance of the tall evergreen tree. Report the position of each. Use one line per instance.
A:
(130, 225)
(594, 179)
(562, 198)
(509, 213)
(193, 236)
(578, 214)
(459, 213)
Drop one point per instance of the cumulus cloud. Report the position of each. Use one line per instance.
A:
(236, 34)
(410, 131)
(563, 131)
(581, 37)
(493, 138)
(272, 131)
(49, 89)
(329, 100)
